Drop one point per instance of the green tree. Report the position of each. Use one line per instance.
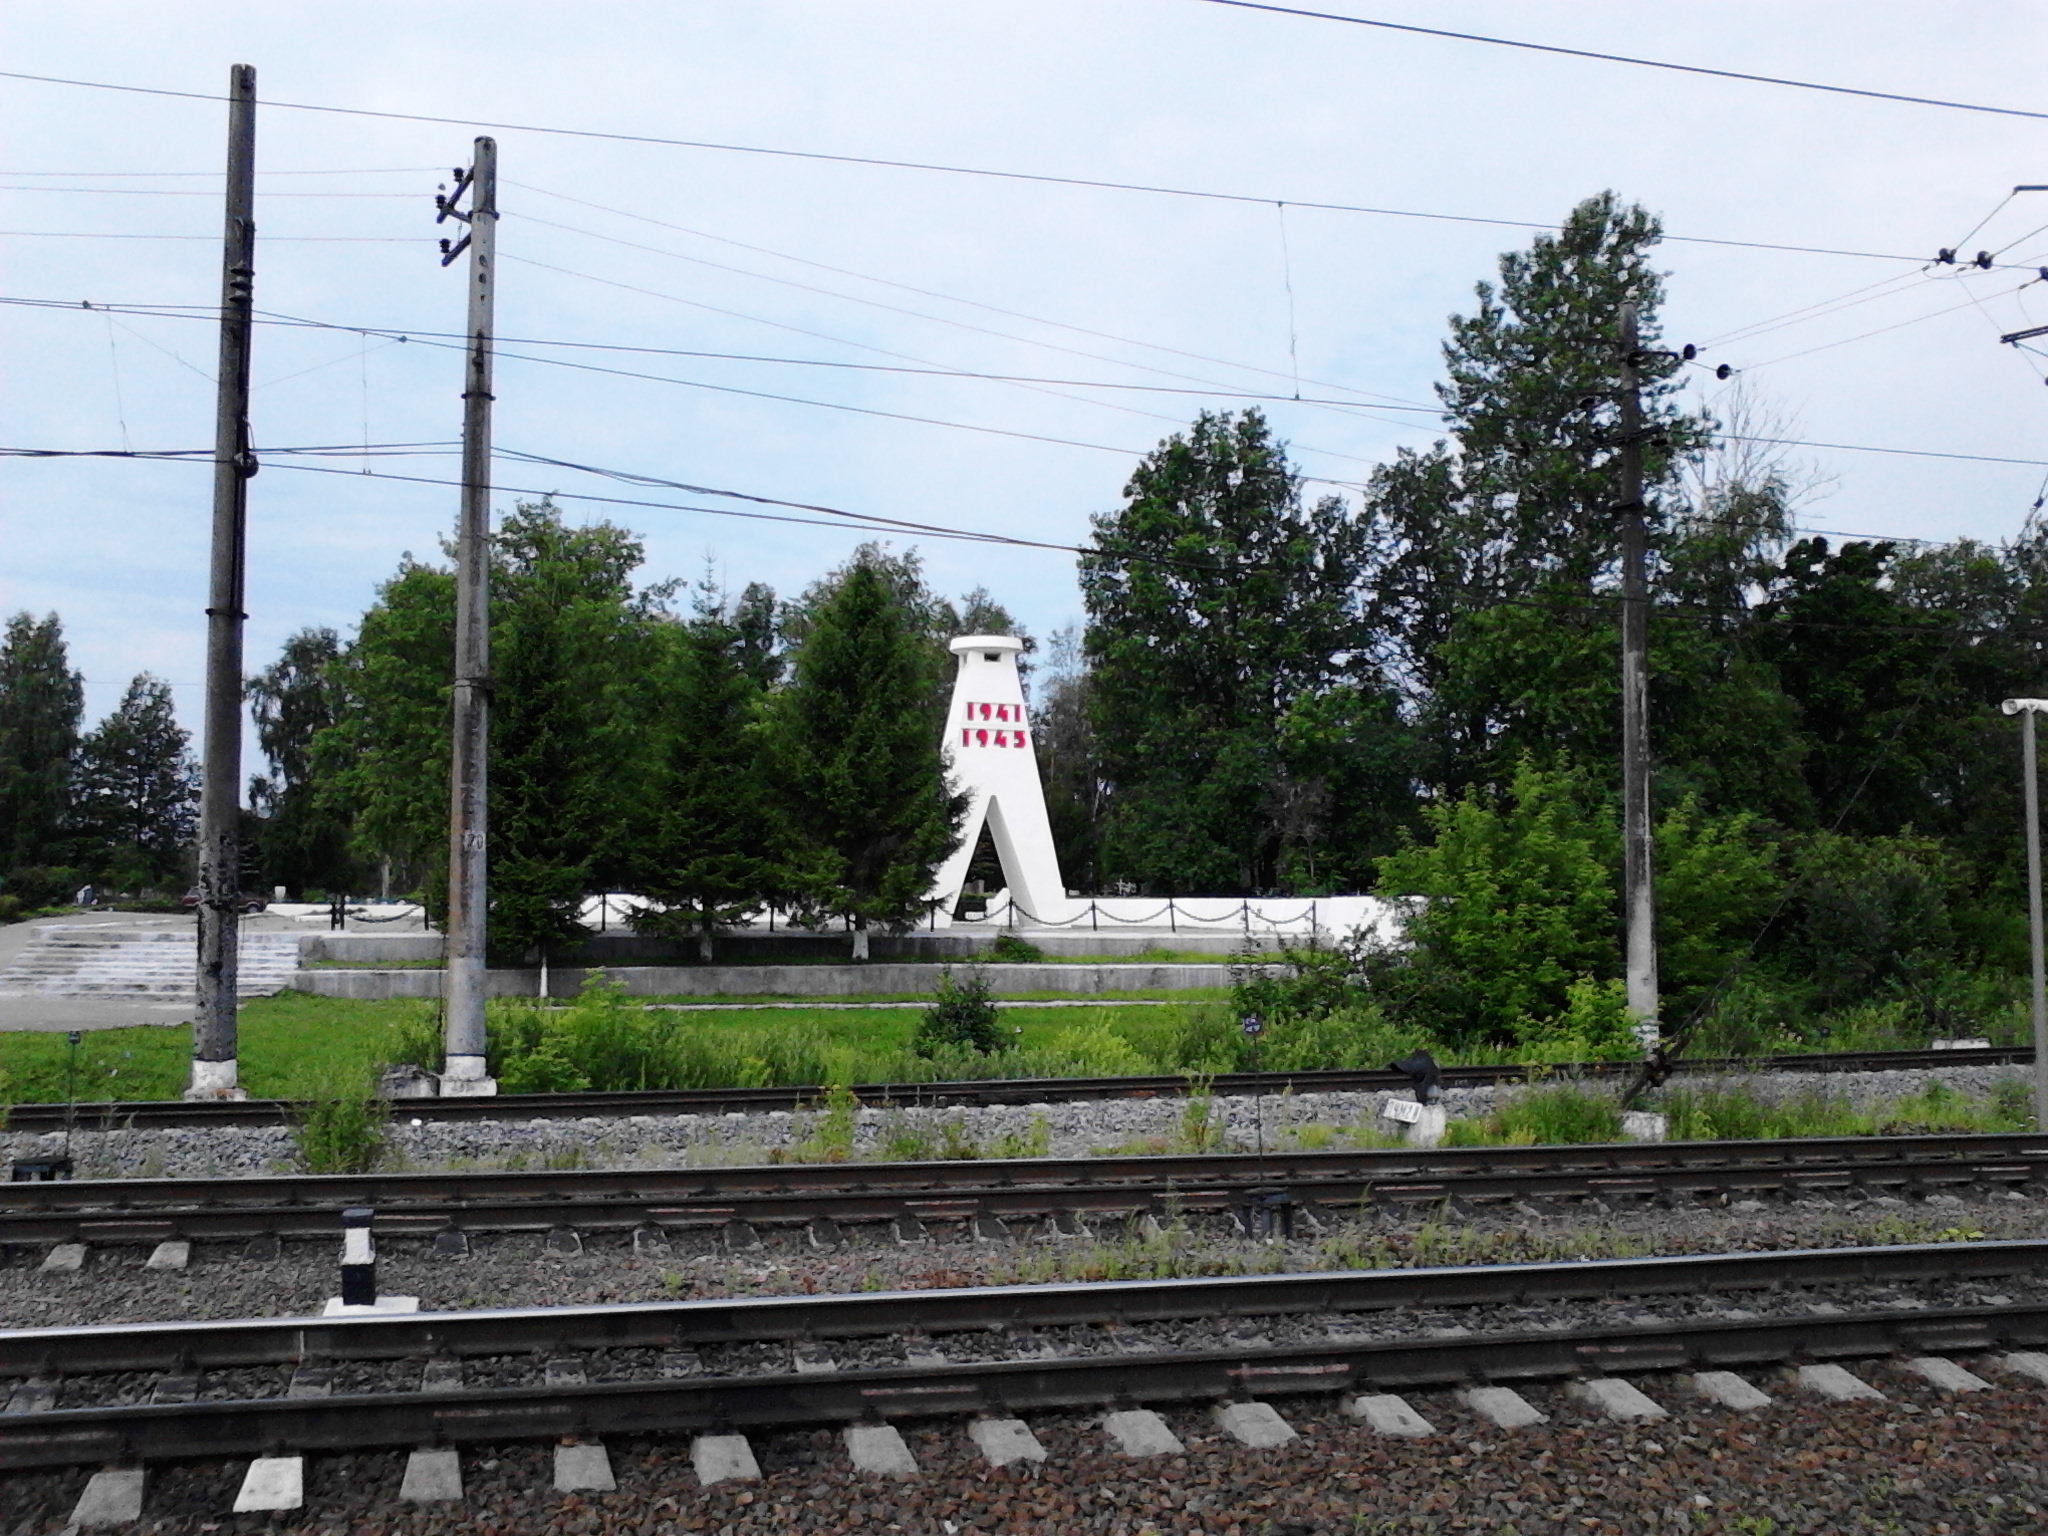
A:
(303, 837)
(138, 790)
(1515, 507)
(1218, 603)
(41, 702)
(383, 767)
(709, 851)
(1512, 904)
(855, 740)
(571, 640)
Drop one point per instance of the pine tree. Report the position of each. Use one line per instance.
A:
(138, 790)
(41, 700)
(856, 742)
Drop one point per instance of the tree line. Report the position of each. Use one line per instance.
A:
(1277, 688)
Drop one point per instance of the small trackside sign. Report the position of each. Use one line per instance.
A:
(1407, 1111)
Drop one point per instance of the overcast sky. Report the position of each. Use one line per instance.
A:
(708, 250)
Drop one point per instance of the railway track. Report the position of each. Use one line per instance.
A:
(144, 1114)
(148, 1392)
(825, 1197)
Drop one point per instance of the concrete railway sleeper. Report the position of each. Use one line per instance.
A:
(1621, 1373)
(1025, 1091)
(186, 1210)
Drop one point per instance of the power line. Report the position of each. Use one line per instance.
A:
(410, 197)
(1591, 602)
(380, 170)
(449, 338)
(850, 298)
(1828, 346)
(97, 234)
(934, 293)
(1039, 178)
(1622, 58)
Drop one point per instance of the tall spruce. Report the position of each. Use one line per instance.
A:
(708, 844)
(41, 702)
(570, 640)
(856, 736)
(1221, 606)
(138, 791)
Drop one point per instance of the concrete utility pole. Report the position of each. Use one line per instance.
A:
(2026, 709)
(220, 799)
(1639, 898)
(463, 1073)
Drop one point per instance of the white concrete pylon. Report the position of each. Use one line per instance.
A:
(988, 742)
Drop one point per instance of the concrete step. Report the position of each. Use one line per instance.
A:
(141, 965)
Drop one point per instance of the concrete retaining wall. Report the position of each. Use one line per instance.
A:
(757, 947)
(781, 980)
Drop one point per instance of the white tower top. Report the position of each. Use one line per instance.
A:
(988, 739)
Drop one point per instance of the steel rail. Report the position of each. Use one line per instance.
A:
(189, 1346)
(123, 1115)
(927, 1389)
(153, 1210)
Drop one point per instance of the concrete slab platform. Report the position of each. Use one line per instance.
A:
(272, 1483)
(1615, 1398)
(1003, 1441)
(1388, 1414)
(172, 1253)
(1141, 1432)
(879, 1451)
(63, 1259)
(2026, 1363)
(1730, 1391)
(111, 1497)
(1947, 1375)
(583, 1468)
(1253, 1424)
(383, 1306)
(432, 1476)
(724, 1459)
(1503, 1406)
(1835, 1384)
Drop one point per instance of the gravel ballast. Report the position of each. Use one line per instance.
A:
(1075, 1129)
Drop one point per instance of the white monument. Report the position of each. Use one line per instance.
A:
(989, 742)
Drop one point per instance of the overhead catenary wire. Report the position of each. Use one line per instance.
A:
(930, 166)
(876, 303)
(1589, 602)
(949, 298)
(433, 338)
(1630, 59)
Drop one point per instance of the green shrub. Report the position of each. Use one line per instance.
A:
(962, 1013)
(1562, 1114)
(1093, 1049)
(1302, 982)
(543, 1070)
(341, 1127)
(1008, 949)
